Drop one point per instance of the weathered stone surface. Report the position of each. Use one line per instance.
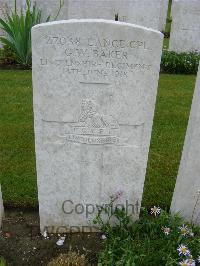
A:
(163, 14)
(142, 12)
(94, 88)
(185, 31)
(51, 8)
(48, 8)
(1, 208)
(186, 198)
(6, 6)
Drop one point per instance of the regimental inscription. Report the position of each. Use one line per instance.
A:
(102, 58)
(96, 42)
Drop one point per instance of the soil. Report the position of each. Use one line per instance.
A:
(4, 66)
(22, 244)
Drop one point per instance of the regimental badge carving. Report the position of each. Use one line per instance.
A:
(92, 127)
(92, 119)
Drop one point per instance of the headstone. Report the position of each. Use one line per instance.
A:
(186, 198)
(52, 8)
(3, 10)
(141, 12)
(94, 87)
(1, 209)
(185, 30)
(6, 6)
(163, 14)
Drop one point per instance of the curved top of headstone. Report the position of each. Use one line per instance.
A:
(127, 52)
(186, 1)
(94, 93)
(112, 22)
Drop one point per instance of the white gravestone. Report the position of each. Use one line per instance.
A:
(185, 31)
(52, 7)
(1, 209)
(142, 12)
(6, 6)
(163, 14)
(186, 198)
(94, 88)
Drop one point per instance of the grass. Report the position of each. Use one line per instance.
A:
(17, 160)
(166, 43)
(2, 262)
(71, 258)
(170, 122)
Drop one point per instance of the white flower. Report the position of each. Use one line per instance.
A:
(188, 262)
(103, 237)
(191, 262)
(166, 230)
(184, 230)
(198, 259)
(45, 235)
(60, 241)
(183, 250)
(155, 210)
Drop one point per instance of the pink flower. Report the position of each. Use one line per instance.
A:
(119, 194)
(166, 230)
